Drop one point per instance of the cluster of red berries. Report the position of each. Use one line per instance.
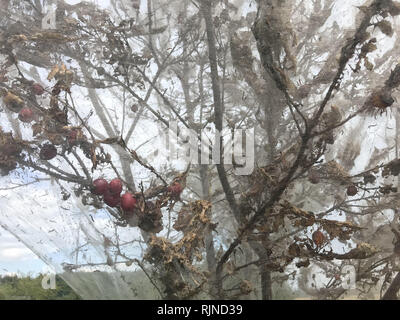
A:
(111, 193)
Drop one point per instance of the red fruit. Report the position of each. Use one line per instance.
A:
(352, 191)
(175, 189)
(128, 202)
(37, 89)
(318, 238)
(115, 186)
(25, 115)
(48, 152)
(111, 200)
(100, 186)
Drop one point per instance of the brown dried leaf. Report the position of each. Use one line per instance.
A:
(386, 27)
(37, 129)
(53, 72)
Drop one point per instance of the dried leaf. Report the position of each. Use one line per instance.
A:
(53, 72)
(386, 27)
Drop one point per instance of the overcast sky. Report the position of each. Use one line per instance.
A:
(15, 257)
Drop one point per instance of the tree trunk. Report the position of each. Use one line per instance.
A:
(391, 293)
(266, 284)
(208, 237)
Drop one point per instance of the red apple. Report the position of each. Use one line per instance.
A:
(112, 200)
(37, 89)
(100, 186)
(48, 152)
(25, 115)
(128, 202)
(115, 187)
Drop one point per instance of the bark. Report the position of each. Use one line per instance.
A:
(391, 293)
(209, 240)
(266, 284)
(218, 113)
(282, 84)
(124, 158)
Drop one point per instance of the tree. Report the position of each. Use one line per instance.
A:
(30, 288)
(113, 76)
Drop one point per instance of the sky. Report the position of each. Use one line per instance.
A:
(16, 258)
